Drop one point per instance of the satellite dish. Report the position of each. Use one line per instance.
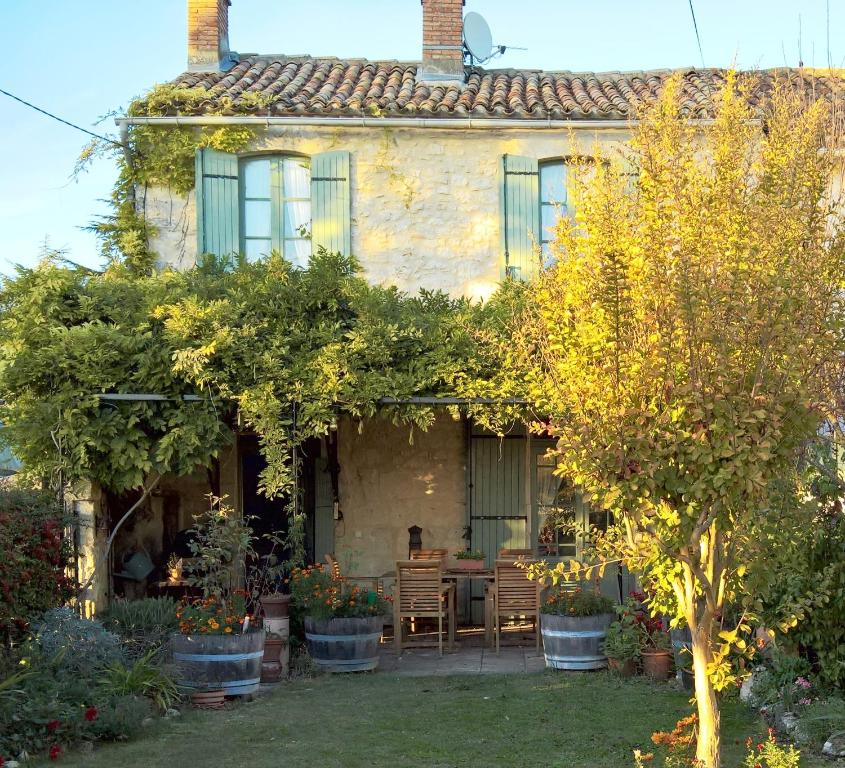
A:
(477, 37)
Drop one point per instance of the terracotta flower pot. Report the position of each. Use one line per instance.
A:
(465, 564)
(208, 699)
(656, 664)
(622, 667)
(275, 606)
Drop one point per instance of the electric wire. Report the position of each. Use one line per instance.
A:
(62, 120)
(697, 36)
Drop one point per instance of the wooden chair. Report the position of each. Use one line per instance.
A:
(514, 594)
(517, 554)
(419, 593)
(430, 554)
(375, 582)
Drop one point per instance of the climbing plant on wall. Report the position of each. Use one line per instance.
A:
(260, 344)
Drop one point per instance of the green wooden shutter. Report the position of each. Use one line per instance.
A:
(520, 216)
(218, 206)
(330, 202)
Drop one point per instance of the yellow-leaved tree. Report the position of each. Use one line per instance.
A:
(680, 345)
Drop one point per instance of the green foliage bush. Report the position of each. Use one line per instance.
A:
(821, 719)
(256, 339)
(143, 625)
(34, 557)
(84, 645)
(811, 585)
(41, 705)
(144, 677)
(121, 717)
(577, 602)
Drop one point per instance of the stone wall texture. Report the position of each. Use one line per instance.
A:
(425, 203)
(388, 483)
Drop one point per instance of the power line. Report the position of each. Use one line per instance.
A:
(61, 120)
(697, 37)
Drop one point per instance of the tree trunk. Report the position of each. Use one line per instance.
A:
(709, 742)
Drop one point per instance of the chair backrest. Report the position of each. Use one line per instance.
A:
(429, 554)
(418, 586)
(514, 590)
(520, 554)
(334, 567)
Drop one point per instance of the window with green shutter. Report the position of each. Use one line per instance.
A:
(257, 204)
(520, 216)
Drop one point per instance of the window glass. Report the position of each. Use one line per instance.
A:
(553, 203)
(276, 208)
(257, 219)
(556, 510)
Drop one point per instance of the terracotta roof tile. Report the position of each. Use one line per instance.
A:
(332, 87)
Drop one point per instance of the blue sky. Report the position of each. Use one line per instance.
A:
(84, 58)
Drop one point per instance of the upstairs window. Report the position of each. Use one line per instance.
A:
(553, 204)
(276, 208)
(253, 205)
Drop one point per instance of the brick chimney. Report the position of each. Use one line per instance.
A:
(443, 50)
(208, 35)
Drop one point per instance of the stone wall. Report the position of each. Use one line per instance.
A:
(425, 203)
(388, 484)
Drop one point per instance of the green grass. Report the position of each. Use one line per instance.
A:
(374, 721)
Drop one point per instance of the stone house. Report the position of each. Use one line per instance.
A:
(434, 174)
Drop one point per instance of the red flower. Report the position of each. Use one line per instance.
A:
(2, 761)
(53, 726)
(55, 751)
(91, 714)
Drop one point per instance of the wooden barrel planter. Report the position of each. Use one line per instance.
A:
(231, 663)
(344, 645)
(574, 642)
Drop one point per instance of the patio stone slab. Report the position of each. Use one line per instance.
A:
(473, 660)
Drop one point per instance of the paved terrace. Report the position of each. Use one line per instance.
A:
(517, 655)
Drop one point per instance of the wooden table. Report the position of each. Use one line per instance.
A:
(488, 576)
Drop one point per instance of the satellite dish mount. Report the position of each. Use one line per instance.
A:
(478, 41)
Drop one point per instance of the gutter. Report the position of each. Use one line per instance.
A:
(454, 123)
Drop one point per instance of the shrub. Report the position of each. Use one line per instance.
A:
(34, 556)
(577, 602)
(321, 596)
(770, 754)
(86, 645)
(623, 638)
(143, 625)
(121, 717)
(41, 709)
(820, 719)
(142, 678)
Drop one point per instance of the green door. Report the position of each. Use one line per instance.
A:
(498, 507)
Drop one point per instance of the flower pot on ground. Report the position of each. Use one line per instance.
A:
(622, 667)
(272, 666)
(656, 664)
(468, 561)
(208, 699)
(574, 624)
(655, 648)
(622, 643)
(275, 606)
(343, 623)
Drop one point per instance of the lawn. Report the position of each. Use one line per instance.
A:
(373, 721)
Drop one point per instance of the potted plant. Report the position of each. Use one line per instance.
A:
(622, 642)
(468, 560)
(655, 648)
(217, 649)
(343, 623)
(574, 623)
